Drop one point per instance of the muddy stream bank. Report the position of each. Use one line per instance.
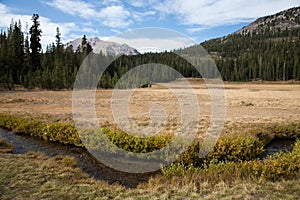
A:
(95, 169)
(86, 162)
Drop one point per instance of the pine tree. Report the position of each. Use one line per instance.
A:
(16, 42)
(5, 72)
(86, 48)
(35, 45)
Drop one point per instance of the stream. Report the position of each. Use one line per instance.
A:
(278, 145)
(86, 162)
(95, 169)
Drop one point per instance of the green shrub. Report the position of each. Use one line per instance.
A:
(230, 156)
(235, 149)
(63, 133)
(279, 166)
(266, 133)
(282, 165)
(175, 169)
(191, 156)
(9, 122)
(136, 144)
(226, 149)
(67, 134)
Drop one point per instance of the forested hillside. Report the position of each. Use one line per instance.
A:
(267, 49)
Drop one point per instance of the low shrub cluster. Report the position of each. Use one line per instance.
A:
(226, 149)
(236, 149)
(118, 144)
(266, 133)
(279, 166)
(56, 132)
(136, 144)
(229, 155)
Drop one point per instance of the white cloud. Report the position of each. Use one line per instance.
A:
(118, 15)
(89, 30)
(196, 29)
(6, 17)
(211, 13)
(113, 16)
(142, 3)
(137, 3)
(141, 16)
(49, 30)
(111, 2)
(153, 39)
(80, 8)
(154, 44)
(47, 26)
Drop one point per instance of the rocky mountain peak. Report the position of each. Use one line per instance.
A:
(284, 20)
(106, 47)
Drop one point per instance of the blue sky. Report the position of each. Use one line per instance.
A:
(197, 19)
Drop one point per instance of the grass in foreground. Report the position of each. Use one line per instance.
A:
(230, 171)
(35, 176)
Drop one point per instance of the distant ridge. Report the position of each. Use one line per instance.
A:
(107, 48)
(267, 49)
(284, 20)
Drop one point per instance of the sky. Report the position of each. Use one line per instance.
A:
(198, 20)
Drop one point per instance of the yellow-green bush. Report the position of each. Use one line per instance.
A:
(67, 134)
(226, 150)
(63, 133)
(279, 166)
(266, 133)
(135, 144)
(235, 149)
(282, 165)
(9, 122)
(176, 169)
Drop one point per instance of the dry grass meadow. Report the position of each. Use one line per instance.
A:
(247, 104)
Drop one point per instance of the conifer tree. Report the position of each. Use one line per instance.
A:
(35, 45)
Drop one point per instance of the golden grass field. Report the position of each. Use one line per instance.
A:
(36, 176)
(247, 104)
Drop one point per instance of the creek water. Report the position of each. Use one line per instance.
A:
(278, 145)
(95, 169)
(86, 162)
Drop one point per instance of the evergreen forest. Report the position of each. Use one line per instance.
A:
(266, 54)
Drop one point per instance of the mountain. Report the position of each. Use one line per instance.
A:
(266, 49)
(285, 20)
(107, 48)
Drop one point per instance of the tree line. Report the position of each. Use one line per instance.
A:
(270, 55)
(22, 60)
